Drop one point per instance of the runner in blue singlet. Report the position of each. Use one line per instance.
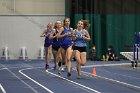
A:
(66, 44)
(47, 44)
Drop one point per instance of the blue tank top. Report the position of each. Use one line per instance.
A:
(68, 37)
(47, 33)
(56, 41)
(80, 42)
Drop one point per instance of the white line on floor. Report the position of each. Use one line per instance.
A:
(78, 84)
(105, 65)
(112, 80)
(3, 90)
(20, 71)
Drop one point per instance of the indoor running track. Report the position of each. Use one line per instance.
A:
(17, 76)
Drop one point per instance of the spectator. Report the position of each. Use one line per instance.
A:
(93, 53)
(110, 55)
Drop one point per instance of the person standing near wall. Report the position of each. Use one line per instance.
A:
(47, 44)
(80, 43)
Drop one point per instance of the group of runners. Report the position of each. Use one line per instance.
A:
(66, 43)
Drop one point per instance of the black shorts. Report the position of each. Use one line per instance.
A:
(56, 47)
(80, 49)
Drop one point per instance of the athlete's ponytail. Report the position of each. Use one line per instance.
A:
(86, 24)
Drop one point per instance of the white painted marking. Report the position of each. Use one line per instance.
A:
(123, 83)
(20, 79)
(116, 81)
(3, 68)
(20, 71)
(105, 65)
(23, 81)
(78, 84)
(127, 76)
(3, 90)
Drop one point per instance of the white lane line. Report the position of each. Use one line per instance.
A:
(20, 79)
(105, 65)
(127, 76)
(20, 71)
(112, 80)
(78, 84)
(18, 67)
(3, 90)
(89, 66)
(3, 68)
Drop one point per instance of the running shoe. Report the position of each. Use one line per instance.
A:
(79, 77)
(59, 64)
(59, 70)
(55, 67)
(69, 74)
(47, 66)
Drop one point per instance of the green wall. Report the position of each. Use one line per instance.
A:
(105, 30)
